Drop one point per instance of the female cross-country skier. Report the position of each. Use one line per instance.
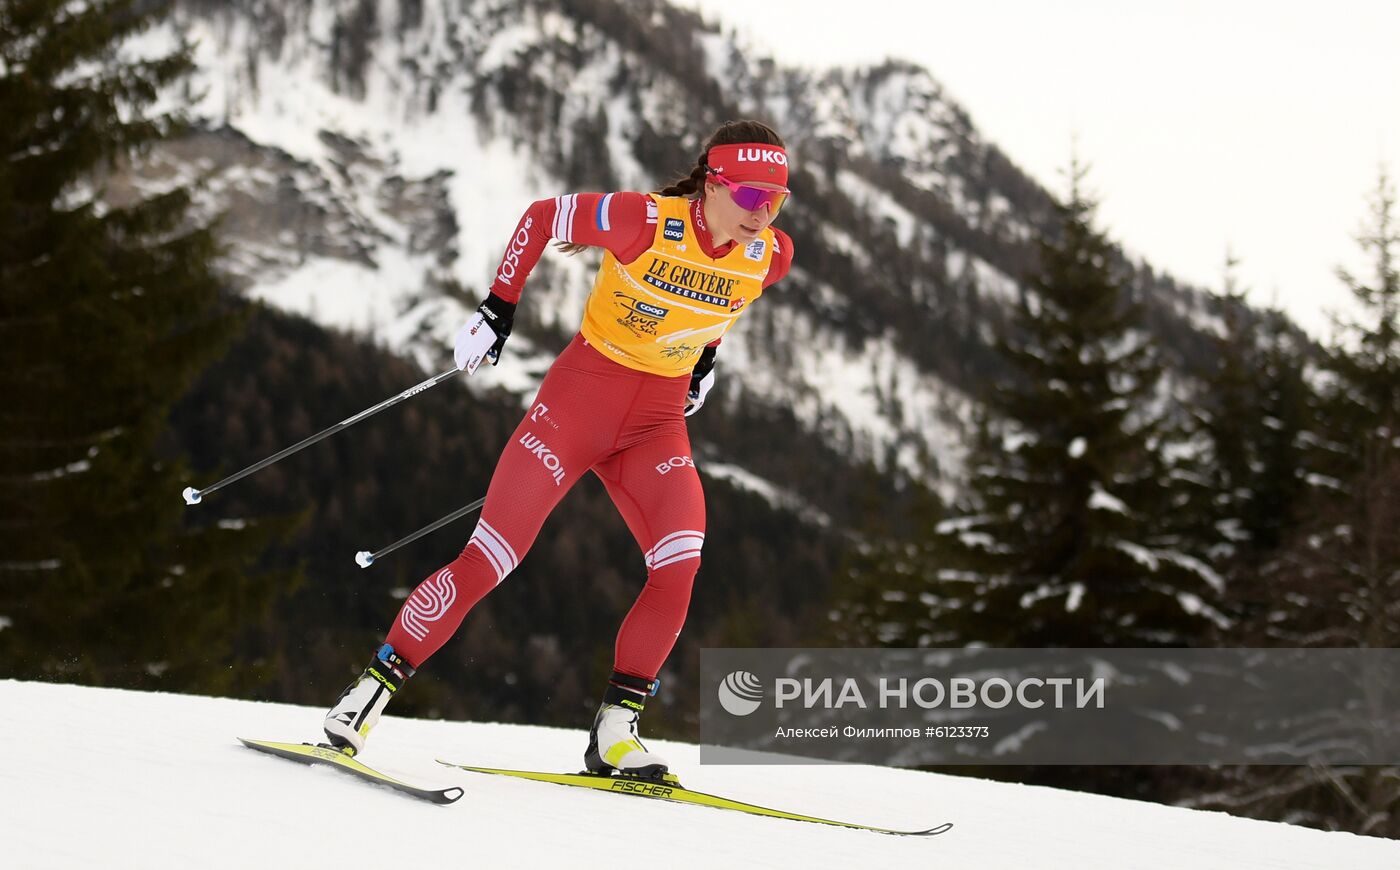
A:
(679, 268)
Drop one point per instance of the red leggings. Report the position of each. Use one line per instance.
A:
(628, 427)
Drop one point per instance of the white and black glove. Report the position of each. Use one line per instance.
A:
(484, 334)
(702, 378)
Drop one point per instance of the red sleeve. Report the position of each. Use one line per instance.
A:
(624, 223)
(782, 258)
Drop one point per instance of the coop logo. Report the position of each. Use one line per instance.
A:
(674, 229)
(740, 693)
(640, 308)
(640, 317)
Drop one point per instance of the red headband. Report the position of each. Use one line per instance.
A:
(750, 161)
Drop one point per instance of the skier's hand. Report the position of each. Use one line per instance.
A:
(484, 334)
(702, 378)
(699, 388)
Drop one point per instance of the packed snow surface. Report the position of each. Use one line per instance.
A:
(118, 779)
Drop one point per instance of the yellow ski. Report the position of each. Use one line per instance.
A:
(307, 753)
(670, 791)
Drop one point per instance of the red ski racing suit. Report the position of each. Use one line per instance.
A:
(612, 403)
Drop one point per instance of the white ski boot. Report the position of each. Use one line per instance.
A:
(613, 743)
(348, 723)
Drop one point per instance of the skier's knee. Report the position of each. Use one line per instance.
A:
(678, 548)
(498, 551)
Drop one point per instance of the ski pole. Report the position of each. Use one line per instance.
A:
(365, 558)
(194, 496)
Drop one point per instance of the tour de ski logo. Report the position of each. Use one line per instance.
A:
(754, 250)
(674, 229)
(737, 304)
(640, 318)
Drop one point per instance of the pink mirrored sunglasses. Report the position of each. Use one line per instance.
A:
(751, 198)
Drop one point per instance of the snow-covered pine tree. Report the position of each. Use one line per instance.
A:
(1335, 582)
(1261, 506)
(107, 311)
(1226, 412)
(1252, 412)
(1067, 536)
(1344, 565)
(1287, 411)
(1072, 510)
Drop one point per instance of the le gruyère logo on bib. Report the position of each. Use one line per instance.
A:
(689, 282)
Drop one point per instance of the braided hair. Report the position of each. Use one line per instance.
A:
(728, 133)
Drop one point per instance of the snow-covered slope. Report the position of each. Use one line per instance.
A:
(116, 779)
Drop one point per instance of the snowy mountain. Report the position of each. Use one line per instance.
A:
(119, 779)
(368, 160)
(371, 157)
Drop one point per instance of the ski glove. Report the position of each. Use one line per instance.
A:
(702, 378)
(484, 334)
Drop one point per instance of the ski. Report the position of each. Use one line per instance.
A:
(673, 791)
(307, 753)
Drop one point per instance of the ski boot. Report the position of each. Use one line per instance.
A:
(349, 721)
(613, 745)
